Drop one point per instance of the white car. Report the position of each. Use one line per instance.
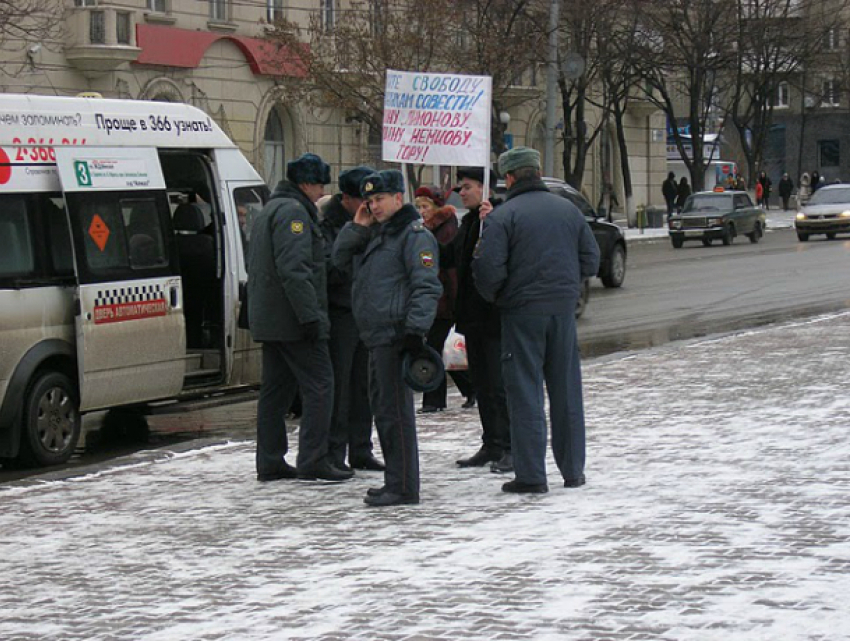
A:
(827, 212)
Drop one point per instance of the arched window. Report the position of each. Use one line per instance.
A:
(275, 149)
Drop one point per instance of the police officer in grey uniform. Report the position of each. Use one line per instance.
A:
(535, 251)
(288, 314)
(396, 288)
(351, 424)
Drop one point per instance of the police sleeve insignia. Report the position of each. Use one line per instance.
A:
(427, 258)
(296, 227)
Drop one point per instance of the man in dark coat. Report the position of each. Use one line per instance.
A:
(351, 424)
(786, 188)
(288, 314)
(535, 251)
(395, 293)
(478, 320)
(670, 191)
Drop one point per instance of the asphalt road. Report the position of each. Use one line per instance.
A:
(672, 294)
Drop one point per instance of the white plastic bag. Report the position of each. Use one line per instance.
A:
(454, 352)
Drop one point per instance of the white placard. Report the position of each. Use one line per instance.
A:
(437, 119)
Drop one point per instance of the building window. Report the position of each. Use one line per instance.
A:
(275, 149)
(829, 153)
(830, 96)
(830, 41)
(274, 10)
(85, 3)
(782, 96)
(97, 28)
(157, 6)
(122, 28)
(328, 14)
(218, 10)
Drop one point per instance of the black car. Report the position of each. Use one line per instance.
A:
(609, 237)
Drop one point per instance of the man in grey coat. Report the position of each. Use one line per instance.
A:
(288, 314)
(396, 288)
(535, 251)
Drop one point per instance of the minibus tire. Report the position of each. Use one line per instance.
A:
(51, 419)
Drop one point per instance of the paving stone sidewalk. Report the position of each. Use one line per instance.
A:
(717, 508)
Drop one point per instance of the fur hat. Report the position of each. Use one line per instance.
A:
(432, 193)
(477, 174)
(517, 158)
(388, 181)
(309, 169)
(350, 179)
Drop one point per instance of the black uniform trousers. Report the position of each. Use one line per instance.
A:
(538, 348)
(351, 423)
(287, 367)
(484, 353)
(395, 420)
(437, 339)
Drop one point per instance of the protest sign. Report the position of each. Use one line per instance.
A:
(437, 119)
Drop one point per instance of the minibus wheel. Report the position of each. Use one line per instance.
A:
(51, 425)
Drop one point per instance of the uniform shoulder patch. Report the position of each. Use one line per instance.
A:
(297, 227)
(426, 258)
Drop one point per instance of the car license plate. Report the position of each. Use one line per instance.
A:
(693, 232)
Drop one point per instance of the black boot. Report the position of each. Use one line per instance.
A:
(324, 471)
(386, 499)
(368, 462)
(518, 487)
(481, 457)
(504, 464)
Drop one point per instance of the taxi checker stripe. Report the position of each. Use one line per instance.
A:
(135, 294)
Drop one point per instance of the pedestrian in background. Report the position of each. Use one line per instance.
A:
(766, 183)
(815, 182)
(786, 188)
(670, 191)
(682, 193)
(480, 323)
(534, 254)
(441, 220)
(351, 422)
(393, 259)
(288, 315)
(741, 183)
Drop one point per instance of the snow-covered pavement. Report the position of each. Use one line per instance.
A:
(717, 508)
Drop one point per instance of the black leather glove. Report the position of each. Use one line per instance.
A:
(311, 331)
(413, 344)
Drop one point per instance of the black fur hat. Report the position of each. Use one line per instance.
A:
(350, 179)
(388, 181)
(309, 169)
(476, 173)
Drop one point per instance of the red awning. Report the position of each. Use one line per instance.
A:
(171, 47)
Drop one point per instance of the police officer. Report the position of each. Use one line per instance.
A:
(535, 251)
(351, 423)
(396, 288)
(288, 314)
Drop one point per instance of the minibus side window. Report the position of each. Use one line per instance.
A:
(58, 234)
(16, 248)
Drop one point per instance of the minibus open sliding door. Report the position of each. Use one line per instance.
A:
(131, 340)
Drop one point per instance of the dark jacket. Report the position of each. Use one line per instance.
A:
(339, 282)
(286, 268)
(684, 190)
(766, 184)
(443, 225)
(472, 312)
(535, 252)
(669, 189)
(395, 270)
(786, 187)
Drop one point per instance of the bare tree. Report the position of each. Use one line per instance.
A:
(686, 54)
(778, 42)
(344, 63)
(27, 22)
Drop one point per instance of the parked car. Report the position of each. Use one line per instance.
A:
(827, 212)
(709, 215)
(609, 237)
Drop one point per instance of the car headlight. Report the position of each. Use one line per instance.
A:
(715, 221)
(675, 224)
(801, 216)
(845, 214)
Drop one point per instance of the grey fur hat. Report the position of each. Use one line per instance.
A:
(517, 158)
(350, 179)
(309, 169)
(388, 181)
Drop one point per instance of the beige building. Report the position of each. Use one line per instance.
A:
(212, 54)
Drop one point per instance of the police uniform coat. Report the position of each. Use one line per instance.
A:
(395, 270)
(287, 282)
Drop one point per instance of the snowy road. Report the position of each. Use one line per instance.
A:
(717, 508)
